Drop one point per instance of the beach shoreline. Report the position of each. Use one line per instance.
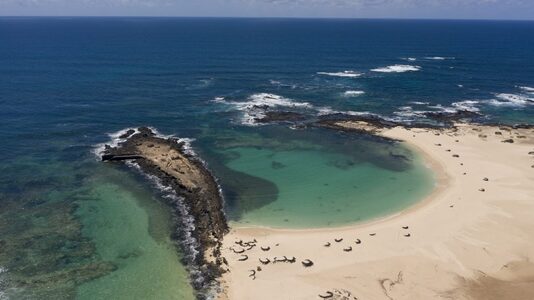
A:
(441, 182)
(437, 248)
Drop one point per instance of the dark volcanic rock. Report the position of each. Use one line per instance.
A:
(127, 134)
(281, 116)
(448, 117)
(189, 178)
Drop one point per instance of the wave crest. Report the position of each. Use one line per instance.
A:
(397, 69)
(255, 107)
(353, 93)
(349, 73)
(527, 89)
(511, 100)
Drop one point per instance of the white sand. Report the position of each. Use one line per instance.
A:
(457, 233)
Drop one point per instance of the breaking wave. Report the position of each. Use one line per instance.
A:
(350, 74)
(115, 138)
(511, 100)
(397, 69)
(438, 58)
(407, 113)
(255, 107)
(325, 110)
(420, 103)
(3, 295)
(467, 105)
(527, 89)
(353, 93)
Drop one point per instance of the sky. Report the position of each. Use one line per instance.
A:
(432, 9)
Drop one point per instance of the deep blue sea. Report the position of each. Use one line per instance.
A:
(73, 227)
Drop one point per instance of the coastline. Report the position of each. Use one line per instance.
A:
(450, 240)
(189, 189)
(441, 182)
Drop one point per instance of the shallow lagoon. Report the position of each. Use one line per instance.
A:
(131, 228)
(314, 192)
(318, 178)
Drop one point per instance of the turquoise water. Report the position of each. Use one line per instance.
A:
(313, 191)
(130, 228)
(275, 176)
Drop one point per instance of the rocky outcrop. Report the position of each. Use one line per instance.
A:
(280, 116)
(169, 161)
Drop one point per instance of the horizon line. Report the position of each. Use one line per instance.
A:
(267, 17)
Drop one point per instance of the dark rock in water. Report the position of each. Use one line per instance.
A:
(280, 116)
(127, 134)
(189, 178)
(45, 259)
(366, 124)
(435, 120)
(523, 126)
(342, 164)
(277, 165)
(449, 117)
(112, 157)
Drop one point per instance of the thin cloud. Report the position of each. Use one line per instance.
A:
(394, 2)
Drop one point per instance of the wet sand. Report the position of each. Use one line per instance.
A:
(473, 238)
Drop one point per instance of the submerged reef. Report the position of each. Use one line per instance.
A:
(43, 253)
(197, 198)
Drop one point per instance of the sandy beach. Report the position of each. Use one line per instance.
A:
(472, 238)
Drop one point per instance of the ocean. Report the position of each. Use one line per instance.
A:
(72, 227)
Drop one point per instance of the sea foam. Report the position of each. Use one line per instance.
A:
(397, 69)
(254, 107)
(467, 105)
(350, 74)
(527, 89)
(511, 100)
(353, 93)
(406, 113)
(420, 103)
(115, 140)
(438, 58)
(3, 295)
